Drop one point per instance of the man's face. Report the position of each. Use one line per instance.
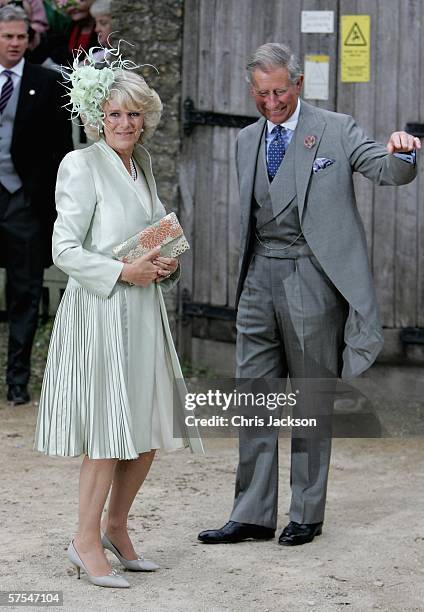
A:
(13, 42)
(275, 96)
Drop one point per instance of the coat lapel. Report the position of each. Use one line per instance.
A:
(282, 190)
(27, 95)
(247, 168)
(142, 157)
(309, 125)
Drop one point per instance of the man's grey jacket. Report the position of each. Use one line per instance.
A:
(328, 213)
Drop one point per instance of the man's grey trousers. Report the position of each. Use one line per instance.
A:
(290, 322)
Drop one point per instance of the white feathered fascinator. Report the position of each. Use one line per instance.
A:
(89, 81)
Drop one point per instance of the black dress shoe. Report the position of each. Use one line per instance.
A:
(18, 394)
(234, 532)
(298, 533)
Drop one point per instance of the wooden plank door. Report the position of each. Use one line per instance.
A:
(219, 36)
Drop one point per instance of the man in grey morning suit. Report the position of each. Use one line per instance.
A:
(306, 302)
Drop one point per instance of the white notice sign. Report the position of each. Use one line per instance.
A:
(317, 22)
(317, 75)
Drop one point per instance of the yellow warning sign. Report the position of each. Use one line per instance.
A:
(356, 51)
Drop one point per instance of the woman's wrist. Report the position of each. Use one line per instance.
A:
(126, 275)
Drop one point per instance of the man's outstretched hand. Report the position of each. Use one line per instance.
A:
(402, 142)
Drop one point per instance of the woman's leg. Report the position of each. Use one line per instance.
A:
(95, 480)
(127, 480)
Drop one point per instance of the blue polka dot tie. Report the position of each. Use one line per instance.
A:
(276, 151)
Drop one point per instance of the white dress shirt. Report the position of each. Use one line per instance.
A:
(290, 126)
(16, 71)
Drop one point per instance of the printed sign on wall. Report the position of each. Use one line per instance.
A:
(317, 75)
(355, 48)
(321, 22)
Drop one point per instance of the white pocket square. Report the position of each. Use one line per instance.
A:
(321, 163)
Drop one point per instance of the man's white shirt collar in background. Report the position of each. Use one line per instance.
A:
(17, 70)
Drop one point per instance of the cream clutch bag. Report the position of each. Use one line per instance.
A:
(166, 233)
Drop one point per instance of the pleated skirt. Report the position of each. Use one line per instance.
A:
(108, 384)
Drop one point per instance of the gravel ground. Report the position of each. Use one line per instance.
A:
(370, 556)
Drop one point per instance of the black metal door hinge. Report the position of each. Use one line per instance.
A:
(416, 129)
(412, 335)
(193, 117)
(196, 309)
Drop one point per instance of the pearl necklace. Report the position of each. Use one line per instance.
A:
(133, 170)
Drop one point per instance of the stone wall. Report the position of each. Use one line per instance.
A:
(155, 27)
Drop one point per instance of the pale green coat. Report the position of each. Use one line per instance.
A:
(108, 384)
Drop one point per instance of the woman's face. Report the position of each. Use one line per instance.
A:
(76, 13)
(103, 28)
(122, 127)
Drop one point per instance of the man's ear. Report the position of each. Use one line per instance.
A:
(299, 84)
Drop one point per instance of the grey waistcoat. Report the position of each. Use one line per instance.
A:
(281, 231)
(8, 176)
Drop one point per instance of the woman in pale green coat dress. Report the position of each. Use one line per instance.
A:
(108, 385)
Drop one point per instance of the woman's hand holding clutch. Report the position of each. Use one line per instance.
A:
(167, 266)
(143, 270)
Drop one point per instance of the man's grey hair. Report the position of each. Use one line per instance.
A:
(13, 13)
(274, 55)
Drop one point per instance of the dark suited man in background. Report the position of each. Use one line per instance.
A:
(306, 302)
(34, 136)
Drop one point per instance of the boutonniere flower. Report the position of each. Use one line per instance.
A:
(310, 141)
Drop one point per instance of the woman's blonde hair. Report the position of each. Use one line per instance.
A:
(131, 92)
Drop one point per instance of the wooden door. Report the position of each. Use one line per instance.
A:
(219, 36)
